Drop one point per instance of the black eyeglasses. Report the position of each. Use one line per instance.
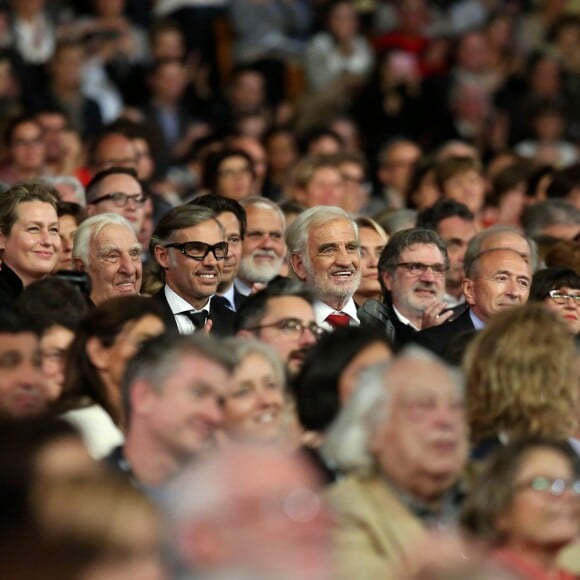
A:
(562, 298)
(418, 269)
(121, 199)
(292, 326)
(199, 250)
(550, 485)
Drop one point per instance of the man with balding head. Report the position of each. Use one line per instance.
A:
(496, 279)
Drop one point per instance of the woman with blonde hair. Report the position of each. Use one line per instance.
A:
(520, 379)
(373, 239)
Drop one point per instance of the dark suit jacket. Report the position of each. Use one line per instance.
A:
(222, 317)
(448, 339)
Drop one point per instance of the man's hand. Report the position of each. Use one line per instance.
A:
(436, 314)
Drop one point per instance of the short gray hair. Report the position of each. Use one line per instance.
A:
(158, 357)
(240, 348)
(549, 212)
(297, 232)
(90, 229)
(347, 442)
(72, 182)
(264, 203)
(474, 247)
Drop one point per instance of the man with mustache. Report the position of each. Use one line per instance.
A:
(189, 245)
(324, 248)
(412, 270)
(263, 248)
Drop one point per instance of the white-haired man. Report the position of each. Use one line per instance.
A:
(107, 249)
(408, 462)
(263, 248)
(324, 248)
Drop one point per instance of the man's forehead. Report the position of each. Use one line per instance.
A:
(422, 250)
(289, 306)
(17, 340)
(120, 182)
(504, 259)
(199, 232)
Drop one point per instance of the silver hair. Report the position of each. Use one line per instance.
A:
(476, 243)
(264, 203)
(72, 182)
(90, 228)
(347, 441)
(297, 232)
(240, 348)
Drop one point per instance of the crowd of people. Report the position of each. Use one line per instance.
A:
(290, 289)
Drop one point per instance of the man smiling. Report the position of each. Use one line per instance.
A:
(189, 245)
(325, 253)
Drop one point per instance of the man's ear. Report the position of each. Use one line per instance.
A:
(79, 265)
(297, 264)
(299, 195)
(2, 242)
(98, 354)
(468, 291)
(162, 256)
(387, 279)
(142, 397)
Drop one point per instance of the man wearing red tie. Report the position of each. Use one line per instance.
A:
(324, 249)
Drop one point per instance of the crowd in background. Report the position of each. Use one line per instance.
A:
(289, 289)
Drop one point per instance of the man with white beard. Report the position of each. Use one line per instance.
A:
(324, 250)
(263, 248)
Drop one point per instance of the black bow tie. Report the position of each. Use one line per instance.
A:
(197, 318)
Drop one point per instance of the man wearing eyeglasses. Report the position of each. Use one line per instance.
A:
(117, 190)
(412, 270)
(189, 246)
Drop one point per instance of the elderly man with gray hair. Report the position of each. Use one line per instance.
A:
(403, 439)
(107, 249)
(324, 248)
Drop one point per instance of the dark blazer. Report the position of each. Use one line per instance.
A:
(222, 317)
(449, 339)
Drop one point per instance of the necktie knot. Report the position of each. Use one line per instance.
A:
(197, 318)
(336, 320)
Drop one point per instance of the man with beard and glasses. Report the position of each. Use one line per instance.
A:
(282, 316)
(263, 248)
(324, 248)
(189, 246)
(412, 270)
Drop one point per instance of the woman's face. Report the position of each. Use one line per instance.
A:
(67, 228)
(127, 343)
(234, 179)
(53, 346)
(254, 407)
(372, 245)
(538, 517)
(568, 309)
(374, 353)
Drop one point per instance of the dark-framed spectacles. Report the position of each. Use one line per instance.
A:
(563, 298)
(418, 268)
(553, 486)
(121, 199)
(292, 326)
(199, 250)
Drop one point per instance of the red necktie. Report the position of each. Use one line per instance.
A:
(336, 320)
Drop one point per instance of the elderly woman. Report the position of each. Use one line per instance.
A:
(520, 379)
(524, 505)
(559, 290)
(104, 343)
(255, 407)
(29, 238)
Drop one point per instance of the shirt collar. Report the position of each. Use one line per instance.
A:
(178, 304)
(229, 296)
(322, 310)
(477, 322)
(242, 287)
(404, 319)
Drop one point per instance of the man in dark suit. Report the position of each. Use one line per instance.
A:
(189, 245)
(232, 216)
(412, 271)
(497, 278)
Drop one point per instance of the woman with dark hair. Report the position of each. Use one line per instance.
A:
(559, 290)
(330, 371)
(229, 173)
(104, 343)
(524, 506)
(70, 215)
